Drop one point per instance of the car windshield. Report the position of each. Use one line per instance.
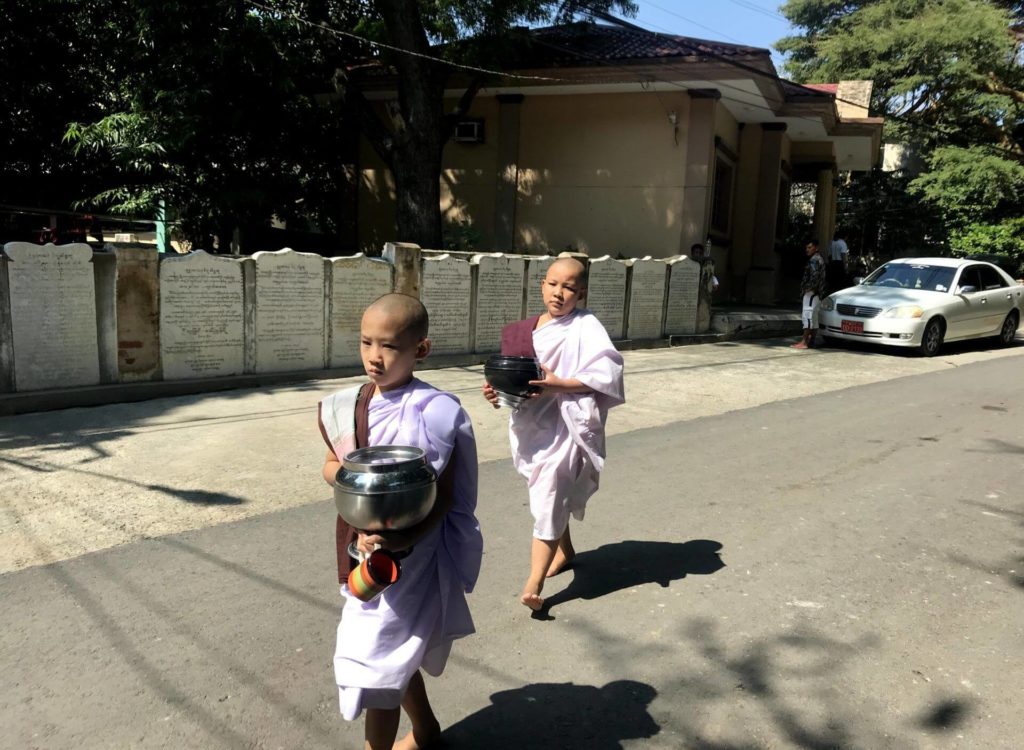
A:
(912, 276)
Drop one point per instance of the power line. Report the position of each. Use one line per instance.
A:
(608, 17)
(758, 9)
(688, 20)
(348, 34)
(756, 71)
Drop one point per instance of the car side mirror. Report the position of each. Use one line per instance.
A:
(858, 280)
(968, 289)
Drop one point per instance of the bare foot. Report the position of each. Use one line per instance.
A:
(531, 600)
(560, 563)
(422, 741)
(798, 345)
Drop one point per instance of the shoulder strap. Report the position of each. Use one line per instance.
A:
(363, 415)
(344, 534)
(517, 338)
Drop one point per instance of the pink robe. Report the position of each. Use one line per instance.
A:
(558, 441)
(411, 625)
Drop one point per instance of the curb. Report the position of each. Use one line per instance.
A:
(117, 393)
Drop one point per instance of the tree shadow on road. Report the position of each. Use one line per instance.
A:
(623, 565)
(547, 716)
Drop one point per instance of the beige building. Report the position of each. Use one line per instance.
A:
(635, 143)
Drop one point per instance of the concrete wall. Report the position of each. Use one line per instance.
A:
(602, 174)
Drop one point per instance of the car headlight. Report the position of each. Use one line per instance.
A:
(904, 311)
(828, 304)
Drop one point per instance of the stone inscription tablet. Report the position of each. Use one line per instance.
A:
(356, 282)
(53, 315)
(201, 328)
(446, 290)
(290, 332)
(606, 294)
(499, 297)
(138, 313)
(681, 302)
(536, 270)
(646, 299)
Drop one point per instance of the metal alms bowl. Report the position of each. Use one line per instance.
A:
(385, 487)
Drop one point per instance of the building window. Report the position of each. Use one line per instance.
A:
(721, 202)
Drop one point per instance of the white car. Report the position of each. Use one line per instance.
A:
(922, 302)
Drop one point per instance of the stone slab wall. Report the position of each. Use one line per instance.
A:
(72, 316)
(201, 316)
(606, 294)
(681, 298)
(290, 311)
(355, 282)
(138, 313)
(497, 297)
(646, 298)
(52, 298)
(446, 290)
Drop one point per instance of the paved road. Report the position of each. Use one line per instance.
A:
(839, 570)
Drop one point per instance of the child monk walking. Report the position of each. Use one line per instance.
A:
(557, 437)
(382, 644)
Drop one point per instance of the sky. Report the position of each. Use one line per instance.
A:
(757, 23)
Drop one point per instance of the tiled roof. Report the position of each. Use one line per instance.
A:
(820, 90)
(586, 43)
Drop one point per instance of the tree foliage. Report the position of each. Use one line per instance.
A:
(214, 111)
(948, 75)
(228, 111)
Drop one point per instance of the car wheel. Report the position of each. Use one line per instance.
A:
(1009, 330)
(931, 340)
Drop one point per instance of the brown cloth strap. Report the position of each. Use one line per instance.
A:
(517, 338)
(344, 534)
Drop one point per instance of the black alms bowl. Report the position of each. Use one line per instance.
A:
(511, 376)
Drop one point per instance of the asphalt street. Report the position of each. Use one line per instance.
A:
(838, 570)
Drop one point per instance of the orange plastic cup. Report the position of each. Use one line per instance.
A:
(374, 575)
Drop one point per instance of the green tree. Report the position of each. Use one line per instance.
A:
(53, 69)
(214, 108)
(218, 107)
(948, 75)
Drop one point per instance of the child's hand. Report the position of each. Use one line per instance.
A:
(395, 541)
(549, 383)
(491, 395)
(552, 383)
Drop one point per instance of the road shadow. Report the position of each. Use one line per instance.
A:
(546, 716)
(623, 565)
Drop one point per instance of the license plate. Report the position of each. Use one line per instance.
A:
(851, 326)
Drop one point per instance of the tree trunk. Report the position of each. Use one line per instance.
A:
(419, 127)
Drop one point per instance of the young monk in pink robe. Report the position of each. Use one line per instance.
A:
(382, 644)
(557, 436)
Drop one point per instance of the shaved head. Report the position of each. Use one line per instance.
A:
(406, 314)
(571, 266)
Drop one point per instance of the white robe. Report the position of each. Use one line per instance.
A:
(558, 441)
(412, 624)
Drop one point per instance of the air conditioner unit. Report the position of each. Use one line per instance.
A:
(469, 131)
